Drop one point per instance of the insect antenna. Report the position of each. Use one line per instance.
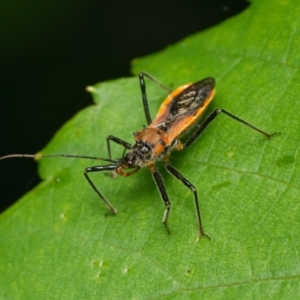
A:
(55, 155)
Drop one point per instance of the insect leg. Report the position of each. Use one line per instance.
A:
(212, 116)
(169, 90)
(162, 190)
(117, 141)
(144, 94)
(188, 184)
(100, 169)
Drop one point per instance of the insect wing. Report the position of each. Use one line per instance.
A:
(183, 107)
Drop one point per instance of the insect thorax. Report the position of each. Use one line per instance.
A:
(150, 144)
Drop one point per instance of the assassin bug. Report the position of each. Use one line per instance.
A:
(178, 112)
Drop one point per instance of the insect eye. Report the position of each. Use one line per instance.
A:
(130, 159)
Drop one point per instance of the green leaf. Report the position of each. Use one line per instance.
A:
(57, 242)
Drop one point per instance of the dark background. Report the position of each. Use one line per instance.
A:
(51, 50)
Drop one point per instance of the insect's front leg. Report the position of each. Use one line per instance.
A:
(118, 141)
(100, 169)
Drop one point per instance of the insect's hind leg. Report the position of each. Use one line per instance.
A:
(100, 169)
(212, 116)
(189, 185)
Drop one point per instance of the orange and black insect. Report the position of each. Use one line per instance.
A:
(153, 143)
